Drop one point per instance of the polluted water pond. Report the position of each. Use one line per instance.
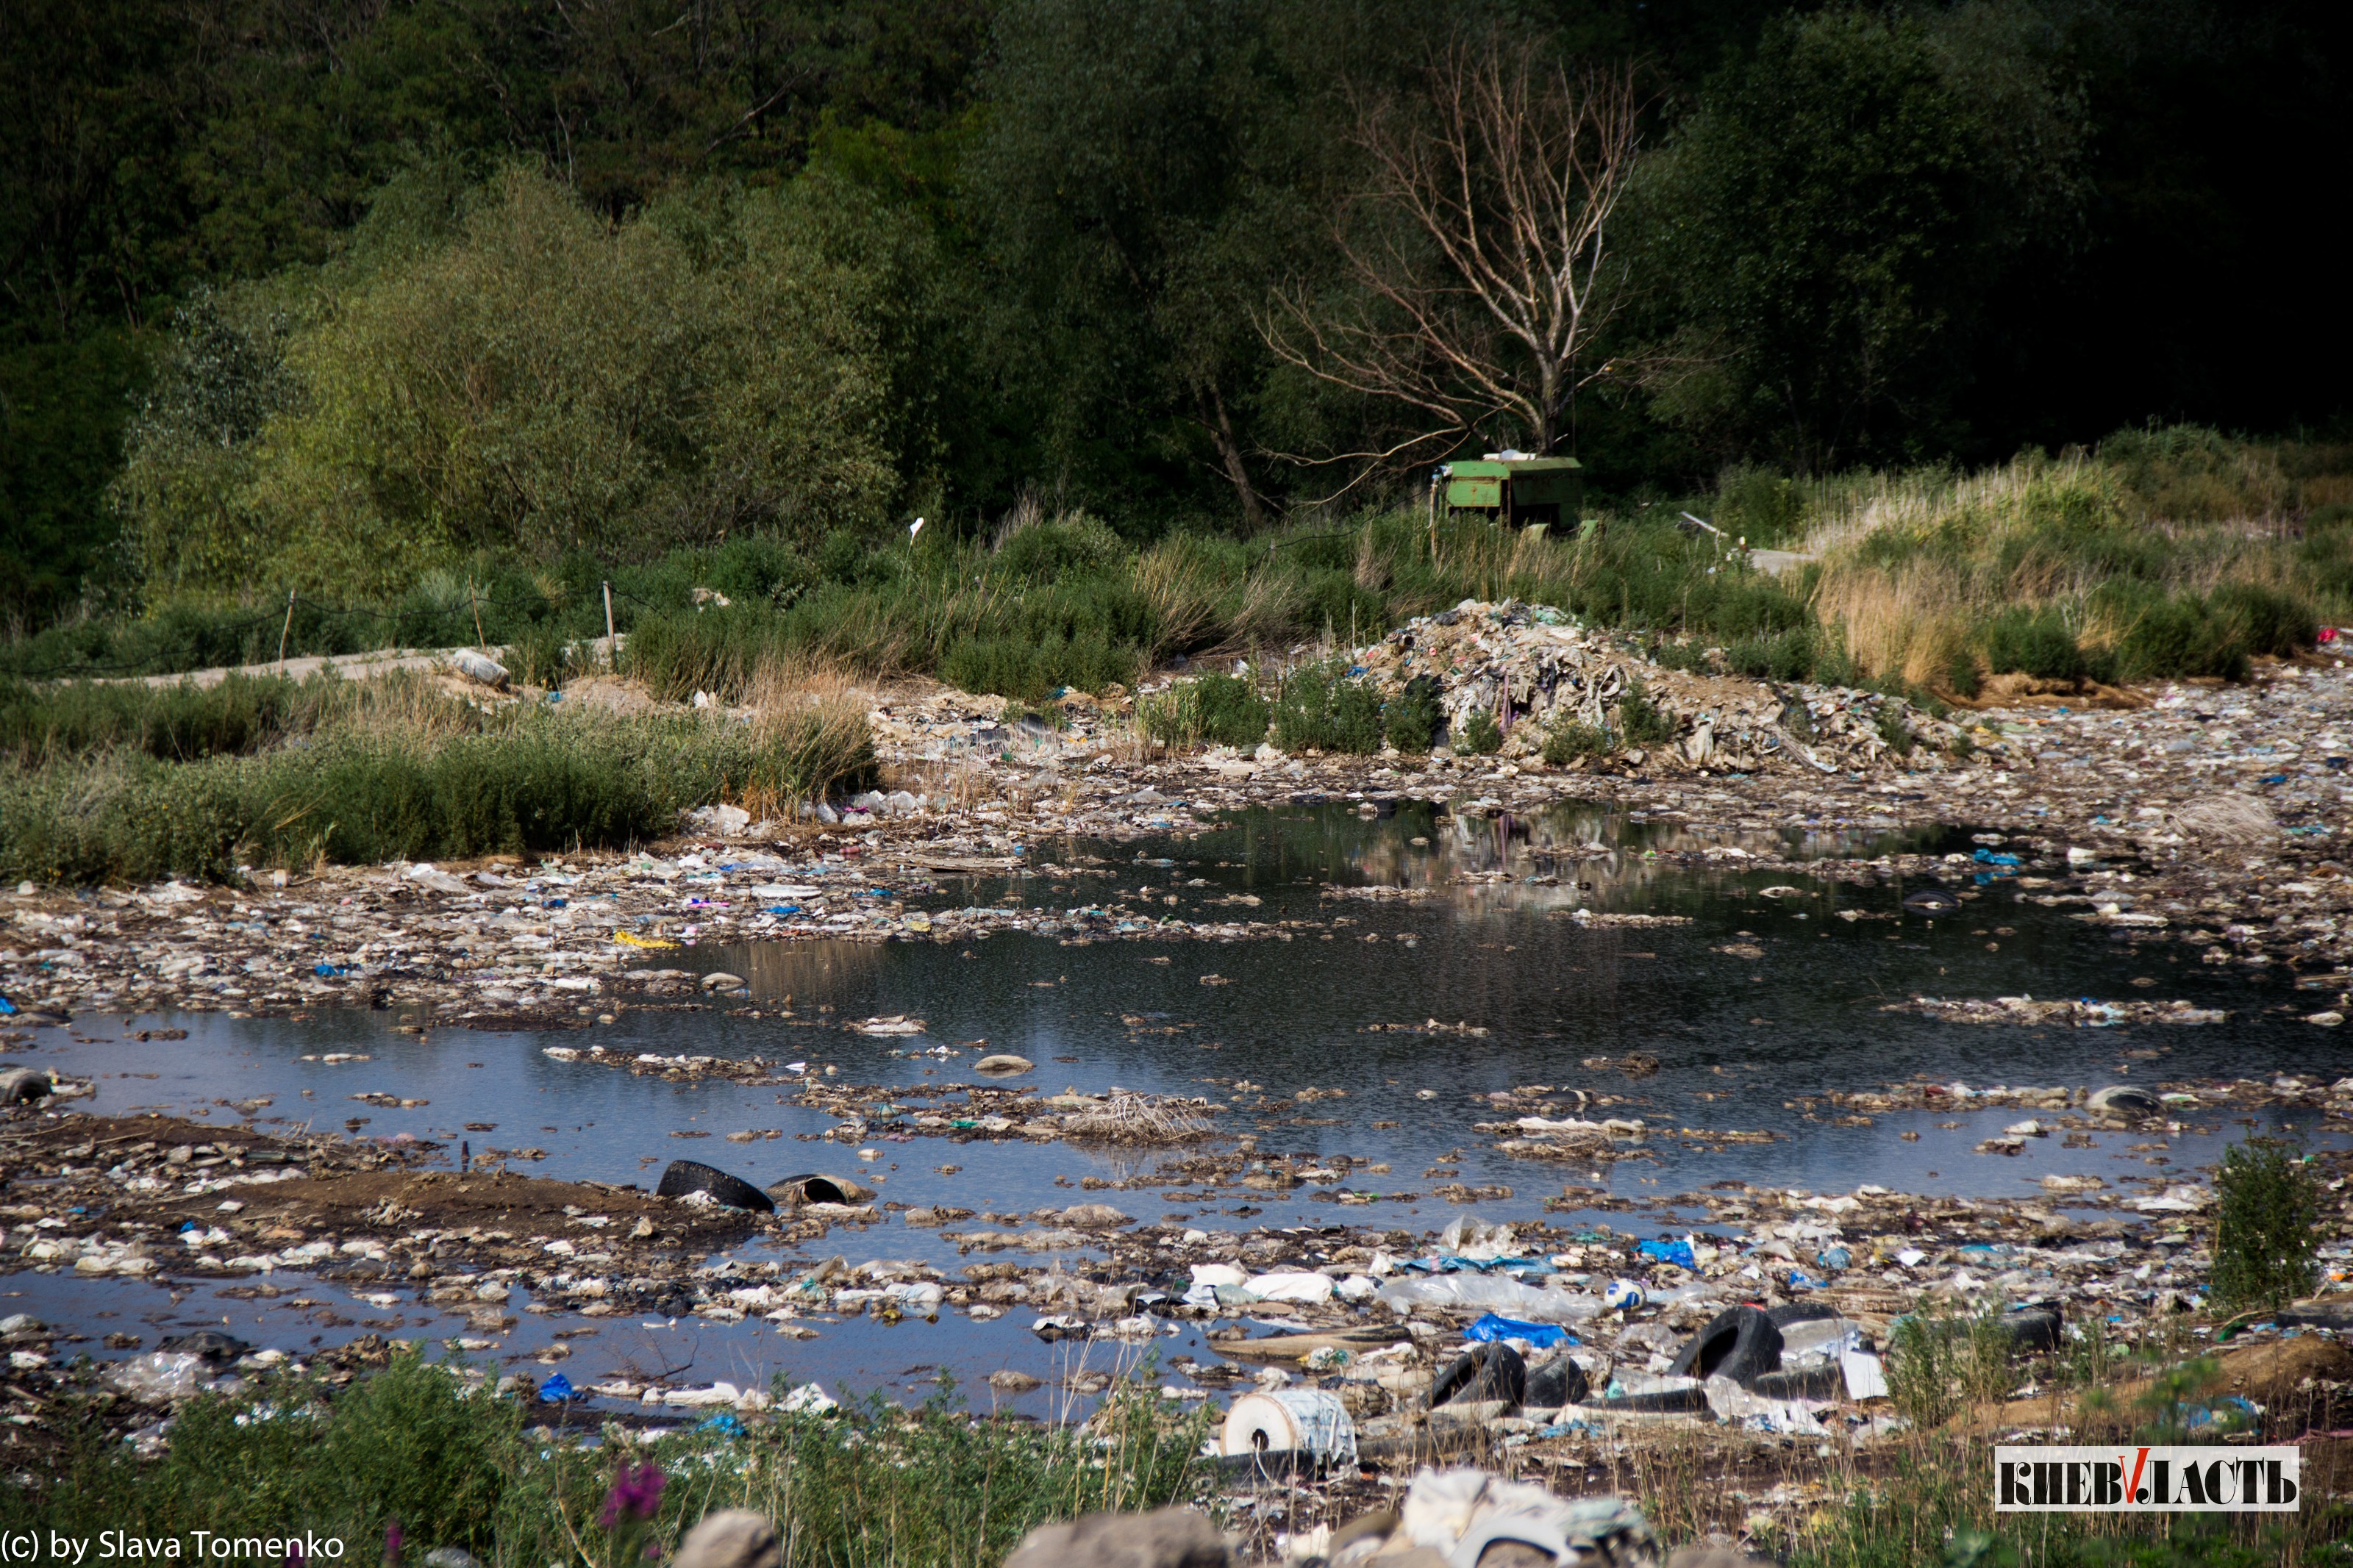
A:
(1573, 1018)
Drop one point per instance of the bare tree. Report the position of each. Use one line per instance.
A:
(1475, 267)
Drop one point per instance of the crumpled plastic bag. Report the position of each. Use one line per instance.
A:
(162, 1377)
(1461, 1514)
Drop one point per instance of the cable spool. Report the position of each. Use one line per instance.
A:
(1286, 1419)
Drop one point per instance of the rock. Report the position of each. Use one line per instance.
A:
(1004, 1062)
(476, 667)
(210, 1344)
(2327, 1020)
(1006, 1379)
(2124, 1100)
(452, 1557)
(1094, 1216)
(731, 1538)
(719, 980)
(19, 1085)
(1164, 1538)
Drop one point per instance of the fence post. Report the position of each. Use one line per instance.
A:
(284, 630)
(612, 654)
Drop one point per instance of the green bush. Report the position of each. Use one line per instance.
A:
(2267, 621)
(2166, 636)
(1412, 718)
(1785, 655)
(1482, 736)
(1895, 729)
(1571, 740)
(1318, 708)
(2032, 642)
(2267, 1212)
(1640, 719)
(1691, 657)
(1223, 710)
(1962, 677)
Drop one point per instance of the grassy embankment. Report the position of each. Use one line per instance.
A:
(102, 783)
(869, 1486)
(878, 1487)
(2166, 554)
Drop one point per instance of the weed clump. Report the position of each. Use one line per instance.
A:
(1572, 741)
(1318, 708)
(1482, 736)
(2267, 1212)
(1939, 1362)
(1223, 710)
(1641, 720)
(1413, 717)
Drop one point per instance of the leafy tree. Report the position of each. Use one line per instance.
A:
(539, 382)
(1826, 223)
(1136, 186)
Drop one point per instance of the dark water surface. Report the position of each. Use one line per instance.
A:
(1752, 1033)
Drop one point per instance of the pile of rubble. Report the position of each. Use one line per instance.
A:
(1533, 670)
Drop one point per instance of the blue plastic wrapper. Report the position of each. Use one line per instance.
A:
(558, 1389)
(1678, 1253)
(1543, 1336)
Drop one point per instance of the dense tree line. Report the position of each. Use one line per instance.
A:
(358, 286)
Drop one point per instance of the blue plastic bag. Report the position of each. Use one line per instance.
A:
(1543, 1336)
(558, 1389)
(1663, 1250)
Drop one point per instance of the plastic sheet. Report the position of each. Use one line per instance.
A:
(1489, 1293)
(1543, 1336)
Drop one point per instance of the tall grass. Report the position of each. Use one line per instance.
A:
(871, 1487)
(392, 769)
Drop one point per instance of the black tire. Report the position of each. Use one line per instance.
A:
(1738, 1344)
(1482, 1373)
(1800, 1313)
(1666, 1402)
(1814, 1383)
(2034, 1331)
(1932, 901)
(1557, 1381)
(680, 1177)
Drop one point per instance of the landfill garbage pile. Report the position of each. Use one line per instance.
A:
(2078, 1013)
(1534, 669)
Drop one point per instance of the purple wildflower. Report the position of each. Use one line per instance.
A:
(636, 1494)
(392, 1545)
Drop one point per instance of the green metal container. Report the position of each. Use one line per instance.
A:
(1515, 490)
